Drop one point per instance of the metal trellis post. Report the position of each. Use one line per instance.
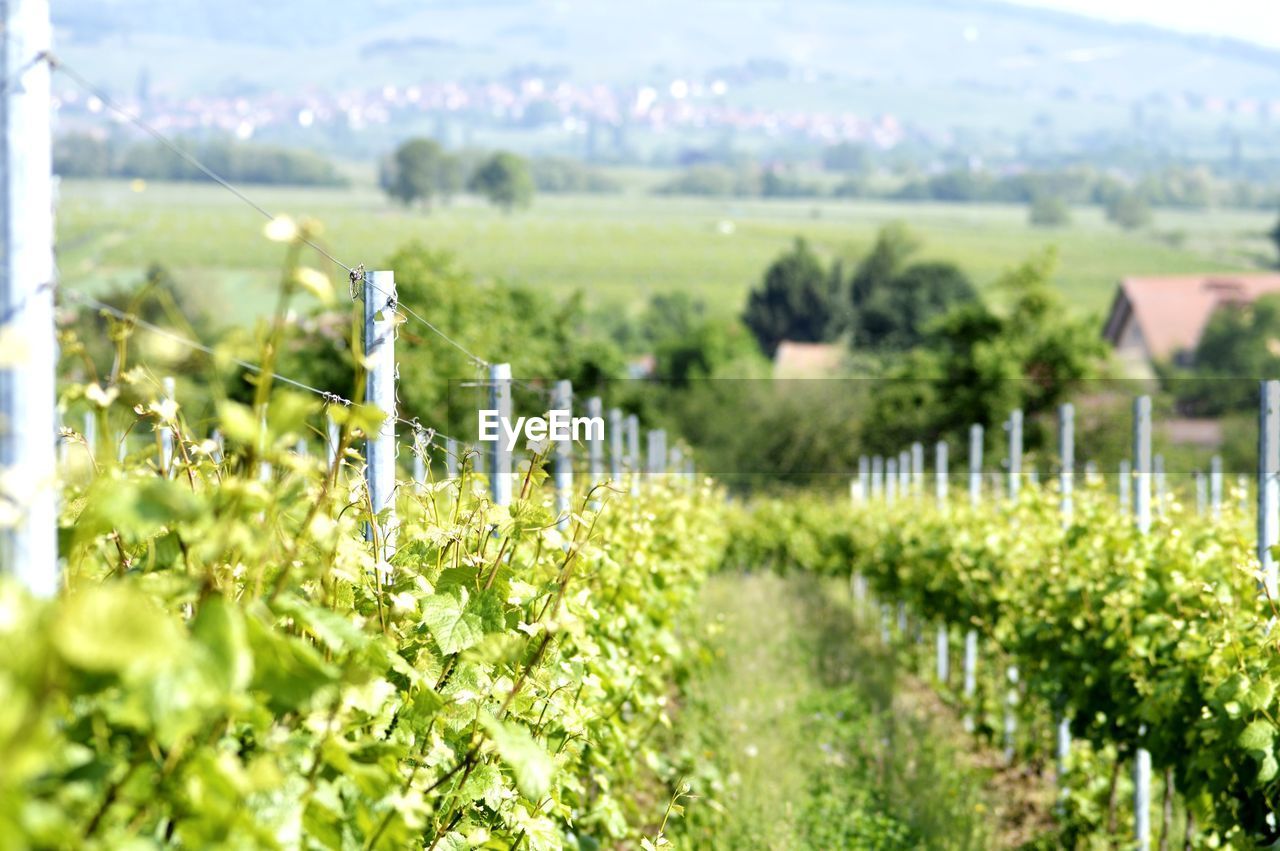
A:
(562, 401)
(499, 465)
(380, 392)
(28, 420)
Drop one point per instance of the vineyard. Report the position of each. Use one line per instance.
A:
(256, 646)
(259, 591)
(1077, 635)
(232, 662)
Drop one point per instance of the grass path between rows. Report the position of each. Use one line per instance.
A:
(807, 734)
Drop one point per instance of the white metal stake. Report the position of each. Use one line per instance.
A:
(616, 435)
(1142, 463)
(1142, 799)
(904, 473)
(28, 420)
(1062, 750)
(975, 464)
(633, 452)
(970, 675)
(595, 442)
(1066, 482)
(333, 438)
(943, 655)
(1010, 719)
(1215, 486)
(380, 392)
(653, 462)
(451, 450)
(419, 459)
(562, 400)
(940, 493)
(166, 433)
(1268, 483)
(940, 474)
(864, 478)
(1126, 481)
(1015, 453)
(1142, 518)
(917, 468)
(499, 465)
(877, 477)
(891, 480)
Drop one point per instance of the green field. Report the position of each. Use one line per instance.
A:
(616, 248)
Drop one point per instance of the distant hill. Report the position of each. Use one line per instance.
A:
(948, 65)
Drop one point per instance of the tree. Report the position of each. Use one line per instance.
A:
(418, 171)
(894, 244)
(793, 302)
(897, 316)
(1239, 346)
(504, 179)
(1048, 211)
(977, 364)
(1274, 236)
(539, 335)
(1129, 210)
(891, 303)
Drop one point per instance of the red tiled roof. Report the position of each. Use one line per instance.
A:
(1172, 310)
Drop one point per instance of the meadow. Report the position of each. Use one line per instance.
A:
(617, 249)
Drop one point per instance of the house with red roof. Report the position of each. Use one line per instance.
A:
(1161, 319)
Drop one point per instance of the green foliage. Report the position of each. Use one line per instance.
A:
(978, 364)
(1048, 211)
(505, 180)
(84, 155)
(892, 305)
(687, 342)
(1129, 210)
(232, 663)
(541, 336)
(714, 181)
(559, 174)
(1161, 640)
(419, 171)
(792, 736)
(794, 301)
(1240, 345)
(603, 245)
(1274, 235)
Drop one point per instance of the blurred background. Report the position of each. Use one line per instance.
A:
(1028, 201)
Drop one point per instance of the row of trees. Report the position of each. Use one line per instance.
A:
(885, 304)
(942, 357)
(1049, 194)
(87, 156)
(421, 172)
